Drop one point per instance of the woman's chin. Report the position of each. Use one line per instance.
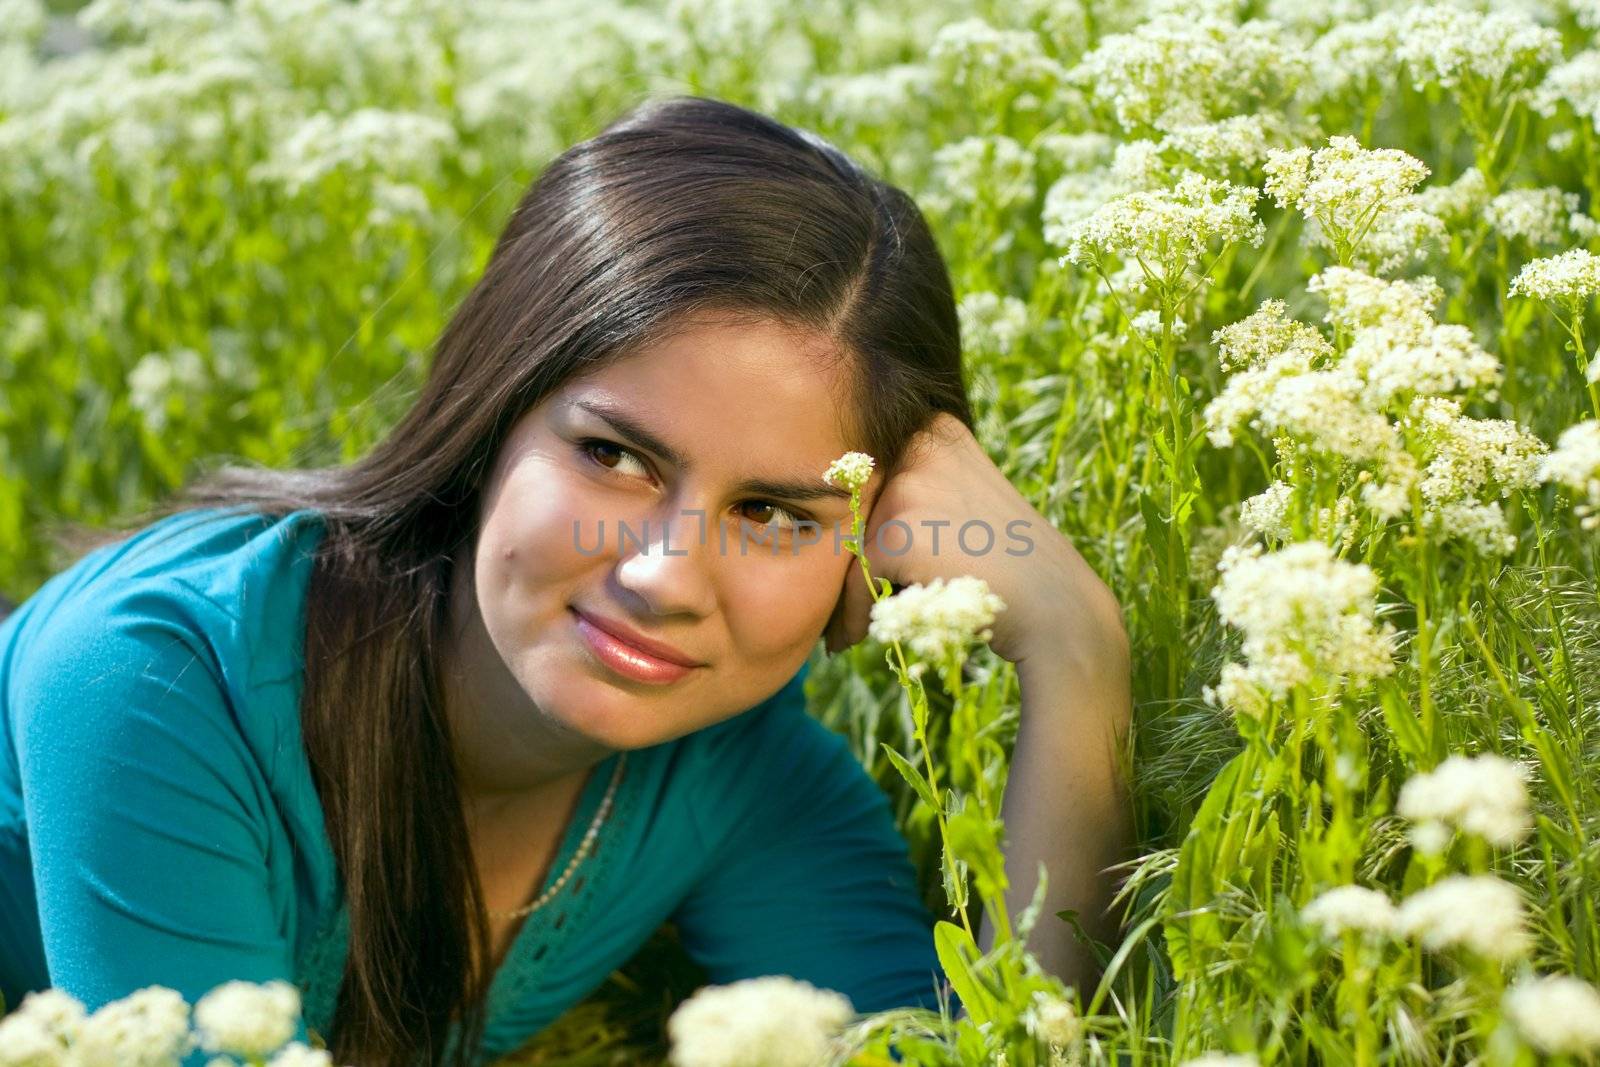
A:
(615, 714)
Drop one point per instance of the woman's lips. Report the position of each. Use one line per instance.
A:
(627, 660)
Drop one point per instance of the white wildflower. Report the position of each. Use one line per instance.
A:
(937, 620)
(1073, 198)
(1304, 615)
(1344, 188)
(849, 471)
(1482, 525)
(972, 53)
(1351, 907)
(1401, 358)
(1483, 795)
(1538, 216)
(1575, 83)
(1558, 1014)
(1575, 463)
(247, 1019)
(1267, 335)
(1076, 151)
(1239, 142)
(1267, 513)
(58, 1011)
(1170, 231)
(1188, 69)
(1569, 278)
(1353, 57)
(1222, 1059)
(1329, 410)
(295, 1054)
(27, 1042)
(147, 1028)
(1468, 457)
(870, 98)
(398, 145)
(1458, 203)
(1357, 299)
(997, 169)
(1446, 45)
(773, 1021)
(1477, 912)
(1052, 1019)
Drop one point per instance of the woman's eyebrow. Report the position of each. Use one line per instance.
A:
(792, 489)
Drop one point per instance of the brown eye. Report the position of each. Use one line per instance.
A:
(611, 455)
(773, 511)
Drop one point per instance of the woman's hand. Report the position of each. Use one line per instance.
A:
(1057, 608)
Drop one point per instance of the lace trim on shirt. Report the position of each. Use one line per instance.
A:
(542, 937)
(546, 932)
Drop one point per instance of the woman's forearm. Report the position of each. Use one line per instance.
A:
(1066, 801)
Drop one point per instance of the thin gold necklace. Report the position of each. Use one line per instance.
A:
(577, 857)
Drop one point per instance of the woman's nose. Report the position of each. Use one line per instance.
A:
(666, 563)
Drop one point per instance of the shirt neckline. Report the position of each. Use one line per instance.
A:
(536, 940)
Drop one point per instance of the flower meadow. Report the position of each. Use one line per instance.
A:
(1283, 312)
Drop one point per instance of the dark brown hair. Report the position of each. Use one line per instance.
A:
(683, 206)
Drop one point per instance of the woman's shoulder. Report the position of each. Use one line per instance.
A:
(226, 582)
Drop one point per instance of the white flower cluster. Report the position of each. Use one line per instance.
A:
(151, 1028)
(1471, 455)
(849, 471)
(1537, 216)
(1569, 279)
(1575, 463)
(974, 53)
(247, 1019)
(1396, 347)
(1351, 908)
(1460, 202)
(1480, 913)
(997, 168)
(1355, 197)
(1380, 403)
(1222, 1059)
(1352, 56)
(1305, 616)
(1170, 231)
(937, 621)
(1188, 69)
(397, 144)
(991, 323)
(1483, 795)
(1074, 197)
(1556, 1013)
(773, 1021)
(1575, 83)
(1447, 45)
(873, 98)
(1051, 1019)
(1267, 513)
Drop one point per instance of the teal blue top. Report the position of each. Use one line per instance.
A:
(159, 825)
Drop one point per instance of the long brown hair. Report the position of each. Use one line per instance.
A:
(683, 205)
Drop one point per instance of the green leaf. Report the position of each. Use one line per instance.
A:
(911, 775)
(957, 954)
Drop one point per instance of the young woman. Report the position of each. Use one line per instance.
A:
(430, 736)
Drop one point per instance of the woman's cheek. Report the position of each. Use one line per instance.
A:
(785, 600)
(562, 517)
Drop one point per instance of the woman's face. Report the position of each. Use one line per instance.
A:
(648, 498)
